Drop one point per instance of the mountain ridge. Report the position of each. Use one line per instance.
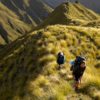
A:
(11, 27)
(30, 11)
(72, 14)
(91, 4)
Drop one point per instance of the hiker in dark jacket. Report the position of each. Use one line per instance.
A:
(60, 59)
(78, 69)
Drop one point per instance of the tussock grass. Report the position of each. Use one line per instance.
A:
(30, 67)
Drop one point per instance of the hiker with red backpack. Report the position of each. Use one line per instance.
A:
(78, 67)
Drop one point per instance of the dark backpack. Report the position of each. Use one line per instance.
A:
(79, 60)
(60, 59)
(77, 63)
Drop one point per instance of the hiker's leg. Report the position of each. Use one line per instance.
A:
(62, 66)
(74, 80)
(76, 86)
(59, 66)
(80, 80)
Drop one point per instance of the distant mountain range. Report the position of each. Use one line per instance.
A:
(72, 14)
(30, 11)
(92, 4)
(35, 11)
(18, 17)
(11, 26)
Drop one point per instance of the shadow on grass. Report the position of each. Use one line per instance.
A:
(89, 90)
(23, 67)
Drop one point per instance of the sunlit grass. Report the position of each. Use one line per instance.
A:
(33, 63)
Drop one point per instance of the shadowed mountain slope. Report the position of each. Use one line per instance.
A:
(11, 27)
(30, 11)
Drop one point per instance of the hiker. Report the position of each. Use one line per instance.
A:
(78, 67)
(60, 59)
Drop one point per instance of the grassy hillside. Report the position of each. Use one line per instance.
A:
(30, 11)
(28, 69)
(73, 14)
(11, 27)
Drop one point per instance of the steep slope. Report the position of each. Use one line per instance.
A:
(71, 13)
(28, 68)
(92, 4)
(11, 27)
(30, 11)
(28, 65)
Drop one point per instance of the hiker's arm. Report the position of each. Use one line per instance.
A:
(83, 72)
(71, 68)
